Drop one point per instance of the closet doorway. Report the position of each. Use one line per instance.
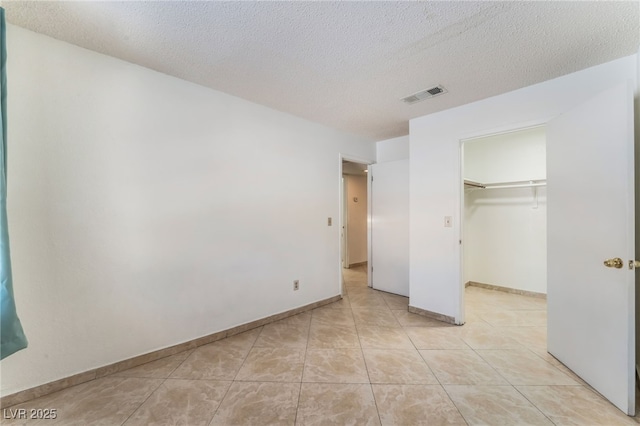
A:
(504, 231)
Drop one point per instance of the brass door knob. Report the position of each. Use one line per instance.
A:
(616, 262)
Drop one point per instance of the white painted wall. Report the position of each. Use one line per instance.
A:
(507, 157)
(504, 234)
(392, 149)
(146, 211)
(356, 203)
(435, 183)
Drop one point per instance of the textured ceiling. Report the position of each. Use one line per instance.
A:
(347, 64)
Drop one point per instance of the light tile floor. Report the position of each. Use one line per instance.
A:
(364, 360)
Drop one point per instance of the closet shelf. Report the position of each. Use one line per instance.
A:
(503, 185)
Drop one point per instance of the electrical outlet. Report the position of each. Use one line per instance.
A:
(296, 285)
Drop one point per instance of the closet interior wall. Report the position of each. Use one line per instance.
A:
(505, 222)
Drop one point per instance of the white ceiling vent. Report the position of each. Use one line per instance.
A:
(424, 94)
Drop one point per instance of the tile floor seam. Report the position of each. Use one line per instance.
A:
(145, 400)
(532, 403)
(366, 366)
(455, 405)
(430, 369)
(492, 367)
(244, 360)
(232, 381)
(304, 363)
(442, 386)
(554, 366)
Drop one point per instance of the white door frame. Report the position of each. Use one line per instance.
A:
(344, 230)
(465, 138)
(359, 160)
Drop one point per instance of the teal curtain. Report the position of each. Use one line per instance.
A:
(12, 338)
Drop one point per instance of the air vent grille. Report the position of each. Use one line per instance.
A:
(424, 94)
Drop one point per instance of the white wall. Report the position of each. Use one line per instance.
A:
(507, 157)
(392, 149)
(435, 184)
(356, 187)
(504, 234)
(146, 211)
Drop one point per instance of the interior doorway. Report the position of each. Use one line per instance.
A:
(504, 228)
(354, 220)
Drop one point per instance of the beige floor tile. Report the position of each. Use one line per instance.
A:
(542, 353)
(269, 362)
(461, 367)
(273, 365)
(436, 337)
(521, 367)
(515, 318)
(181, 402)
(355, 273)
(283, 334)
(481, 336)
(251, 404)
(351, 288)
(335, 366)
(107, 401)
(408, 319)
(499, 300)
(472, 317)
(215, 361)
(383, 337)
(333, 336)
(337, 404)
(366, 299)
(329, 316)
(243, 341)
(574, 405)
(299, 320)
(495, 406)
(340, 304)
(535, 337)
(399, 366)
(546, 356)
(356, 283)
(396, 302)
(416, 405)
(375, 317)
(566, 370)
(160, 369)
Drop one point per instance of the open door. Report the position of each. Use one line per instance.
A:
(390, 226)
(590, 218)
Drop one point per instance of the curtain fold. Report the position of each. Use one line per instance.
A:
(12, 338)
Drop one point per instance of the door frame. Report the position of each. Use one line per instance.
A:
(341, 194)
(512, 128)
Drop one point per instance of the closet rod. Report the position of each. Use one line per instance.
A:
(498, 185)
(516, 185)
(473, 184)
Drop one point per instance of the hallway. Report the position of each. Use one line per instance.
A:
(364, 360)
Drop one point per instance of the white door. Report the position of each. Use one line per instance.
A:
(590, 213)
(390, 226)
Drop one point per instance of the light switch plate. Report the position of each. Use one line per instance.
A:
(447, 222)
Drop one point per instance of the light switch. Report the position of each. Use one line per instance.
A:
(447, 221)
(328, 221)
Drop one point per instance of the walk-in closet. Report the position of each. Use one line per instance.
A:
(504, 230)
